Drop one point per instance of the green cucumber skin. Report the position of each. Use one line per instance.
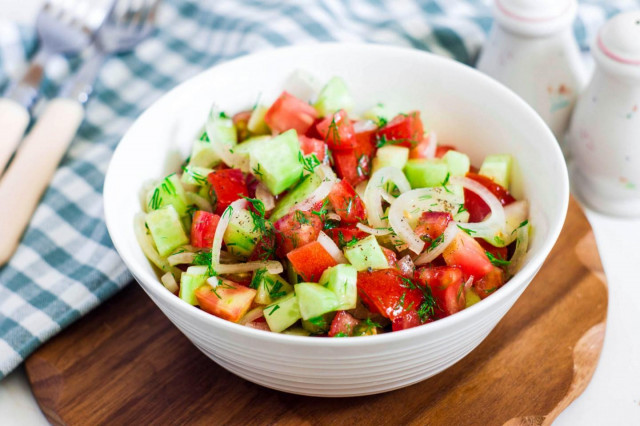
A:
(366, 254)
(276, 162)
(308, 184)
(240, 236)
(342, 280)
(498, 167)
(457, 163)
(168, 192)
(334, 96)
(315, 300)
(194, 278)
(267, 285)
(426, 173)
(283, 313)
(166, 229)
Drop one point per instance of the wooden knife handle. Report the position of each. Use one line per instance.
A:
(32, 168)
(14, 119)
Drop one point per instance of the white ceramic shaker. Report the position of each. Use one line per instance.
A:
(532, 50)
(604, 137)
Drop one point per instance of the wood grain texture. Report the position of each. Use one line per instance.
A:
(126, 364)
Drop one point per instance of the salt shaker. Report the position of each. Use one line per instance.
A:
(604, 137)
(532, 50)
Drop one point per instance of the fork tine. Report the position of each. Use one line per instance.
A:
(149, 16)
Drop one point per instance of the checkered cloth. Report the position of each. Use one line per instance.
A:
(66, 264)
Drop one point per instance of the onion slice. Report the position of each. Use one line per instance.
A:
(181, 258)
(332, 248)
(448, 236)
(373, 193)
(378, 232)
(223, 150)
(495, 224)
(263, 194)
(317, 196)
(200, 202)
(252, 315)
(147, 244)
(364, 126)
(522, 244)
(169, 282)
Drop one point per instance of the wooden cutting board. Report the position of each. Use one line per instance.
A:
(126, 364)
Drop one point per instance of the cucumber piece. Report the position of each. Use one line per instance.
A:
(342, 280)
(245, 147)
(365, 254)
(191, 280)
(315, 300)
(498, 168)
(296, 331)
(256, 124)
(270, 287)
(195, 175)
(241, 236)
(283, 313)
(276, 162)
(426, 173)
(380, 114)
(166, 230)
(471, 298)
(292, 275)
(168, 192)
(301, 192)
(333, 97)
(320, 324)
(457, 162)
(202, 153)
(390, 155)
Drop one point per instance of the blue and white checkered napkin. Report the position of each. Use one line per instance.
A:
(66, 264)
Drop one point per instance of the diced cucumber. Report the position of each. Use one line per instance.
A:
(241, 235)
(423, 173)
(276, 162)
(301, 192)
(297, 331)
(195, 175)
(166, 229)
(380, 114)
(457, 162)
(342, 280)
(320, 324)
(292, 275)
(256, 122)
(315, 300)
(365, 254)
(194, 278)
(471, 298)
(498, 168)
(168, 192)
(270, 287)
(333, 97)
(245, 147)
(221, 131)
(203, 154)
(390, 155)
(283, 313)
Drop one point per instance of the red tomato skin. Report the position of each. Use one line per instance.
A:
(347, 203)
(392, 259)
(344, 323)
(312, 146)
(441, 150)
(410, 320)
(489, 283)
(215, 304)
(337, 131)
(467, 254)
(405, 130)
(342, 235)
(421, 149)
(446, 284)
(382, 291)
(347, 168)
(289, 112)
(228, 185)
(296, 230)
(310, 261)
(203, 228)
(432, 224)
(265, 249)
(477, 208)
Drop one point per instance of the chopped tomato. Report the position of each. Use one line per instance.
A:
(447, 288)
(265, 248)
(432, 224)
(312, 146)
(441, 150)
(229, 300)
(203, 228)
(337, 131)
(392, 259)
(310, 261)
(422, 149)
(289, 112)
(500, 253)
(343, 324)
(467, 254)
(347, 203)
(410, 320)
(489, 283)
(241, 121)
(404, 130)
(343, 235)
(477, 208)
(227, 185)
(348, 168)
(386, 292)
(296, 230)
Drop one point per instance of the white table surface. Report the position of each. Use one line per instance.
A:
(612, 397)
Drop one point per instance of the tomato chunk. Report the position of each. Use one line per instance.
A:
(347, 203)
(203, 228)
(296, 230)
(312, 146)
(467, 254)
(337, 131)
(386, 292)
(310, 261)
(343, 235)
(343, 324)
(499, 253)
(229, 301)
(404, 130)
(289, 112)
(227, 185)
(392, 259)
(432, 224)
(489, 283)
(348, 168)
(477, 208)
(410, 320)
(441, 150)
(422, 148)
(447, 288)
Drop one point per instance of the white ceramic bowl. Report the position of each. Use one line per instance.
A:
(466, 108)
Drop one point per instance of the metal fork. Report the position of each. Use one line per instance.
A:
(64, 27)
(42, 149)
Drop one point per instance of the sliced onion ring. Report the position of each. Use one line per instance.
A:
(252, 315)
(378, 232)
(181, 258)
(522, 244)
(317, 196)
(332, 248)
(373, 193)
(495, 224)
(449, 235)
(169, 282)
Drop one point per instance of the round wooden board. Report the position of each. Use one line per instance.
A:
(126, 364)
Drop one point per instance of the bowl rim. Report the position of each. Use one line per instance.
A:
(151, 284)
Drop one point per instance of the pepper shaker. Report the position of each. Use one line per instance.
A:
(532, 50)
(604, 137)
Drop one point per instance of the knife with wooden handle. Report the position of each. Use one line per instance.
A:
(14, 119)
